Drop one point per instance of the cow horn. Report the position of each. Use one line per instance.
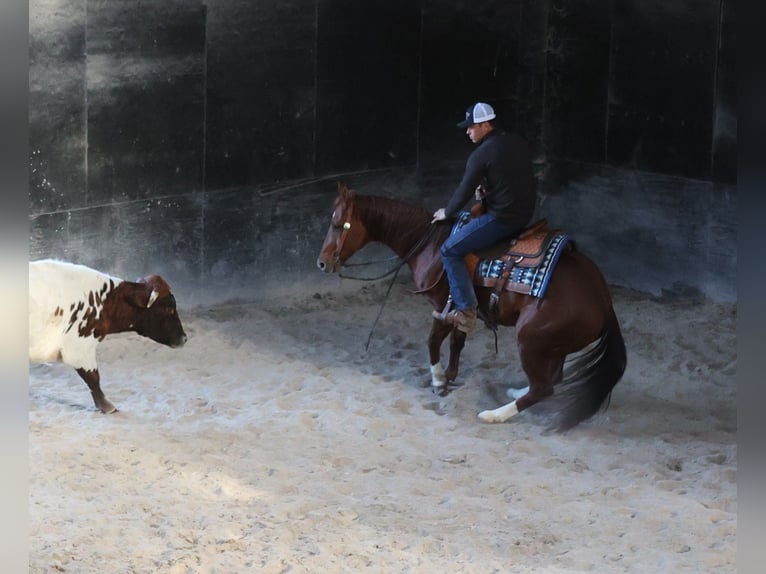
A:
(152, 297)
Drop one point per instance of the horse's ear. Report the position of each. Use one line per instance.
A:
(343, 191)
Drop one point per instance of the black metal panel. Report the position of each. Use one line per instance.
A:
(264, 238)
(235, 224)
(253, 98)
(129, 240)
(57, 136)
(577, 79)
(661, 85)
(260, 91)
(367, 84)
(445, 93)
(530, 105)
(145, 99)
(470, 52)
(725, 126)
(648, 231)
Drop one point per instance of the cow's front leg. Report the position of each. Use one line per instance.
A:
(439, 332)
(92, 379)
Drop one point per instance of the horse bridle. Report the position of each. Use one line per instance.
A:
(402, 260)
(342, 239)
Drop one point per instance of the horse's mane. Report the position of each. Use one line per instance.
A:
(388, 217)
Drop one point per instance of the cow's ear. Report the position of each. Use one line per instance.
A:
(154, 287)
(142, 296)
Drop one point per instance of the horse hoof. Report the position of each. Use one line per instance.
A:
(488, 417)
(441, 390)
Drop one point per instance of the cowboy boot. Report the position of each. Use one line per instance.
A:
(463, 319)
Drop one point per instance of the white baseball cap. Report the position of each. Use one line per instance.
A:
(477, 113)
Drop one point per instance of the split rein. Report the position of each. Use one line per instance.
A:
(403, 260)
(393, 271)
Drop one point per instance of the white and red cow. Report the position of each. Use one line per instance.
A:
(72, 308)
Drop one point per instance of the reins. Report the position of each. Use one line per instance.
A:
(395, 271)
(414, 249)
(366, 263)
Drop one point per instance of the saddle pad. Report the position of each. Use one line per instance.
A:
(534, 280)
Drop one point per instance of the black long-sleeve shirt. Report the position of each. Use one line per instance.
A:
(501, 163)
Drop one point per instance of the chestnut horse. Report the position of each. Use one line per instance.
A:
(575, 315)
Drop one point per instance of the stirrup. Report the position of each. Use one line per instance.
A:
(442, 315)
(464, 321)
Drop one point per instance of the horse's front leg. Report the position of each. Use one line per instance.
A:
(439, 332)
(456, 344)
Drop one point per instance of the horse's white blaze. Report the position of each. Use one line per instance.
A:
(517, 393)
(499, 415)
(438, 378)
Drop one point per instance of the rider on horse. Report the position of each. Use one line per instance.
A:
(499, 173)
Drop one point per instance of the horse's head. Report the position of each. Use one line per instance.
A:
(346, 235)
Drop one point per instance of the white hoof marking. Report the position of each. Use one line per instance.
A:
(499, 415)
(438, 378)
(517, 393)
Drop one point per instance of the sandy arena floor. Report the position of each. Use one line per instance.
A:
(274, 443)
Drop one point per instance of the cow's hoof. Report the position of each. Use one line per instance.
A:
(107, 408)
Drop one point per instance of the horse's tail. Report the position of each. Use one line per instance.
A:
(588, 382)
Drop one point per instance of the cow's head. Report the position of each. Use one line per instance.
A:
(157, 317)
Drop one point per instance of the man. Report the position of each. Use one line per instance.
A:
(499, 170)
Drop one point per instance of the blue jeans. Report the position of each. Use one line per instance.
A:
(478, 233)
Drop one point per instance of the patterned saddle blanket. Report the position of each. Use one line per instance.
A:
(525, 263)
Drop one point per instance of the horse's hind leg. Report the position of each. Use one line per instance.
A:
(517, 393)
(543, 374)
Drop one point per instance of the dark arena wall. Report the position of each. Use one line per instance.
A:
(203, 140)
